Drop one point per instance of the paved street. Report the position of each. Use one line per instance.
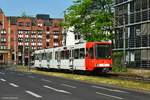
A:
(28, 86)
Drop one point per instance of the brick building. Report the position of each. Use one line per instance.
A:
(132, 28)
(23, 35)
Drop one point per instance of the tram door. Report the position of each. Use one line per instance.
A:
(58, 59)
(71, 59)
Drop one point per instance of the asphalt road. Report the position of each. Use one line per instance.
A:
(27, 86)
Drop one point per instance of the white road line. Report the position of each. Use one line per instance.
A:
(116, 97)
(68, 85)
(3, 80)
(57, 90)
(33, 94)
(10, 98)
(20, 74)
(14, 85)
(113, 90)
(46, 80)
(31, 76)
(2, 73)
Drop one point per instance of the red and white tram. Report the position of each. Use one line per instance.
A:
(87, 56)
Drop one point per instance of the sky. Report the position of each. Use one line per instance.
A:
(55, 8)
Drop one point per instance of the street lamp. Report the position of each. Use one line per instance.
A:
(124, 41)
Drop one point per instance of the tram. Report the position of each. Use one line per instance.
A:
(89, 56)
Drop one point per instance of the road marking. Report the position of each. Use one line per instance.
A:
(113, 90)
(10, 98)
(21, 74)
(57, 90)
(31, 76)
(2, 73)
(68, 86)
(33, 94)
(14, 85)
(3, 80)
(46, 80)
(116, 97)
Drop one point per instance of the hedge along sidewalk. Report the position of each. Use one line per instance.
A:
(129, 84)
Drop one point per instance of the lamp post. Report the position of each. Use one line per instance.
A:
(29, 49)
(124, 42)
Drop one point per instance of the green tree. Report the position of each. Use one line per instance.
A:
(91, 18)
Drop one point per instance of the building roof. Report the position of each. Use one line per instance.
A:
(42, 16)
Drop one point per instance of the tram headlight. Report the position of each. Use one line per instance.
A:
(102, 65)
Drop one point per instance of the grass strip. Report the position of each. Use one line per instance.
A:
(137, 85)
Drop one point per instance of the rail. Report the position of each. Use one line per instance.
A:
(129, 77)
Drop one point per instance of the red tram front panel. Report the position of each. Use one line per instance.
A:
(98, 56)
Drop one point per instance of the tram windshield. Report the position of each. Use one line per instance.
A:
(102, 51)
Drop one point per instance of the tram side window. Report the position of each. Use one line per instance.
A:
(67, 54)
(49, 56)
(82, 53)
(91, 53)
(56, 55)
(44, 56)
(62, 54)
(36, 57)
(73, 53)
(76, 53)
(40, 56)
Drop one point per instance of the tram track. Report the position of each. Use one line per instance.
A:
(128, 77)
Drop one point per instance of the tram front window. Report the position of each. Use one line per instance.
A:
(102, 51)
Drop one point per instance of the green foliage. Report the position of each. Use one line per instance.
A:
(91, 18)
(24, 15)
(119, 69)
(118, 62)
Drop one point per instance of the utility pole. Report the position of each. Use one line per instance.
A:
(9, 32)
(23, 50)
(124, 41)
(29, 49)
(15, 49)
(65, 33)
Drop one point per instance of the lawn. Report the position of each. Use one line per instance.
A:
(130, 84)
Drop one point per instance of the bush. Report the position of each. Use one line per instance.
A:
(118, 64)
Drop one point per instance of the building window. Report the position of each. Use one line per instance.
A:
(27, 40)
(3, 40)
(56, 32)
(1, 23)
(20, 39)
(28, 24)
(47, 36)
(3, 32)
(20, 24)
(1, 57)
(3, 47)
(47, 28)
(47, 44)
(39, 32)
(77, 36)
